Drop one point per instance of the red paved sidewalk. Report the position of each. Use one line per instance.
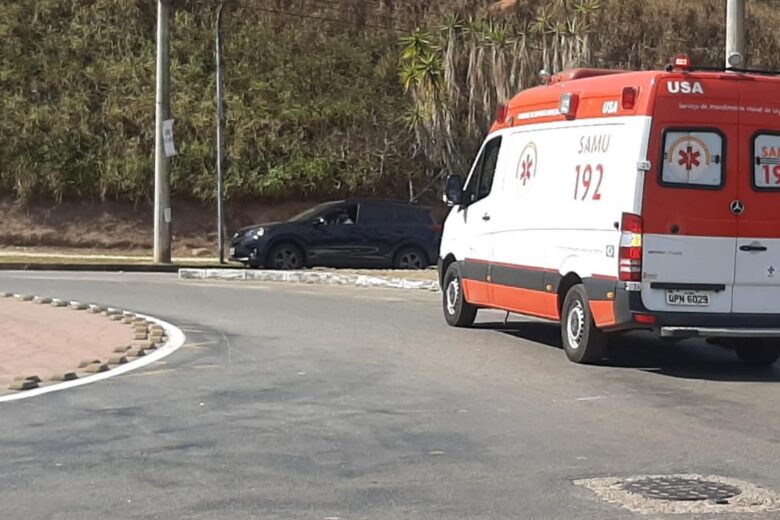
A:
(43, 340)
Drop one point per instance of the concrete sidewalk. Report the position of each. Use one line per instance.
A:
(42, 340)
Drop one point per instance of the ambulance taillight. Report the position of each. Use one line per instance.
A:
(630, 255)
(628, 99)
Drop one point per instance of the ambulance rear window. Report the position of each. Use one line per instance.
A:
(693, 159)
(766, 161)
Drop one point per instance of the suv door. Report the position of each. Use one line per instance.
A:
(338, 242)
(379, 225)
(757, 270)
(473, 219)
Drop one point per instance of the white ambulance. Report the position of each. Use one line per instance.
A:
(612, 201)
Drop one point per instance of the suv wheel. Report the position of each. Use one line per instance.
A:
(285, 256)
(410, 258)
(583, 342)
(457, 311)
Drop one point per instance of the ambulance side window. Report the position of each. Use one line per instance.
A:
(693, 159)
(481, 181)
(766, 161)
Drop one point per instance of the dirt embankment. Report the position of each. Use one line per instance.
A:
(120, 227)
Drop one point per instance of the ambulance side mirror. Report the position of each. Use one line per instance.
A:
(453, 193)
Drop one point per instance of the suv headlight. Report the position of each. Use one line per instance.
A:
(257, 233)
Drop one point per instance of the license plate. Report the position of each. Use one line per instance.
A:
(689, 298)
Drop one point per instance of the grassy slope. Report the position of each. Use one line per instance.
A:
(315, 109)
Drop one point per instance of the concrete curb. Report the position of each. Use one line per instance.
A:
(309, 277)
(116, 364)
(111, 268)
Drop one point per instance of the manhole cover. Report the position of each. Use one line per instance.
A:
(681, 489)
(684, 494)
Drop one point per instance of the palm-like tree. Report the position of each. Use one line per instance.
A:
(540, 27)
(586, 10)
(461, 71)
(453, 25)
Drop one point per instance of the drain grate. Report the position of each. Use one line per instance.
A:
(681, 489)
(684, 494)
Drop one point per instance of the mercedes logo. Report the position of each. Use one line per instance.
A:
(737, 207)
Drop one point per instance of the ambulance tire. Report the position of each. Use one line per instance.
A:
(583, 342)
(759, 353)
(457, 311)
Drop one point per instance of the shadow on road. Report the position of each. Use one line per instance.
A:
(690, 359)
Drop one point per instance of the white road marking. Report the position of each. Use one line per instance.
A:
(176, 339)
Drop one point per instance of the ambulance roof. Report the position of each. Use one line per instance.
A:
(601, 93)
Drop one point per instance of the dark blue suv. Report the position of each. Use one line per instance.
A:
(349, 233)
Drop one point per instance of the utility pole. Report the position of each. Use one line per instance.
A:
(735, 33)
(162, 188)
(220, 137)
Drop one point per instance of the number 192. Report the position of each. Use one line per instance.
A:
(771, 175)
(584, 184)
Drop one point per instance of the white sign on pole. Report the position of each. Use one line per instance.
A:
(167, 129)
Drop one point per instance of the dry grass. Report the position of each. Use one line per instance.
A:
(124, 229)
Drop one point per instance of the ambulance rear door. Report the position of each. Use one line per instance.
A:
(689, 230)
(757, 278)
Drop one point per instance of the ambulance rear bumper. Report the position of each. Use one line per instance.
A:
(666, 324)
(712, 332)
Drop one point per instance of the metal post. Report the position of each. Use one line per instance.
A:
(735, 32)
(162, 191)
(220, 138)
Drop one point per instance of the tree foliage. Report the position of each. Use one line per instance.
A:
(312, 106)
(458, 69)
(325, 97)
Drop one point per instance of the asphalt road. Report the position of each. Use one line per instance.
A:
(322, 403)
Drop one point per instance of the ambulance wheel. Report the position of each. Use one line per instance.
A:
(457, 311)
(582, 341)
(759, 353)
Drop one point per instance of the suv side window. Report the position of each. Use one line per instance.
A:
(342, 215)
(376, 213)
(414, 215)
(481, 181)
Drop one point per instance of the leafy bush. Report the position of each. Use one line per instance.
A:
(325, 98)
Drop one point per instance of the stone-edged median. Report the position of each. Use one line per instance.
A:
(413, 280)
(47, 343)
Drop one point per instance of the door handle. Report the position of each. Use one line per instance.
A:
(485, 217)
(752, 248)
